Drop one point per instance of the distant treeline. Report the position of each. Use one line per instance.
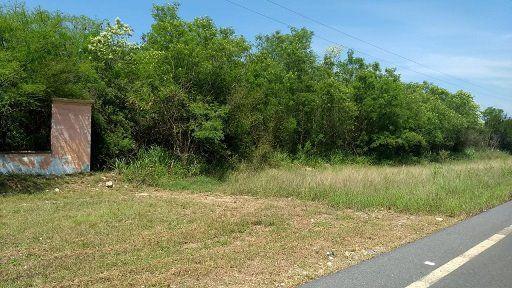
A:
(204, 93)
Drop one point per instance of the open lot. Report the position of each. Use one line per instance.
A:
(454, 187)
(273, 228)
(89, 235)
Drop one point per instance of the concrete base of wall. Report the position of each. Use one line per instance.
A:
(38, 164)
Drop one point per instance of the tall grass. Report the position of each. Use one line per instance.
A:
(157, 167)
(454, 188)
(477, 181)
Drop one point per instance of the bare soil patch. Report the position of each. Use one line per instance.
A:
(89, 235)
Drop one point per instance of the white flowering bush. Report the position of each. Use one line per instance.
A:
(113, 42)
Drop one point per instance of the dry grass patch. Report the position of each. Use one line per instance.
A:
(88, 235)
(455, 188)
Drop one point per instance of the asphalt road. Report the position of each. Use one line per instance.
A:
(490, 268)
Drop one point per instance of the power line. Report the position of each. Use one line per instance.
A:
(371, 44)
(333, 42)
(339, 44)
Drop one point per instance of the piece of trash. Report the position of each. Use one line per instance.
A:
(429, 263)
(439, 219)
(56, 190)
(109, 184)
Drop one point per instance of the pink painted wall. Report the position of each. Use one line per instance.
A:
(70, 143)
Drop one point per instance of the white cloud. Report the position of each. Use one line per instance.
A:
(493, 74)
(470, 67)
(488, 79)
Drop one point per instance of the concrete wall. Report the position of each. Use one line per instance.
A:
(70, 144)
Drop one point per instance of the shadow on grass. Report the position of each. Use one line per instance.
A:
(25, 184)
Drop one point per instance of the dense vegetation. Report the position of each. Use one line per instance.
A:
(498, 127)
(208, 97)
(194, 99)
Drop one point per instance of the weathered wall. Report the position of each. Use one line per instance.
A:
(25, 163)
(71, 135)
(70, 144)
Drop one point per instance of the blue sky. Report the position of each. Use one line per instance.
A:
(471, 40)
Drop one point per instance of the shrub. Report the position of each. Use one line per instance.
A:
(203, 94)
(151, 166)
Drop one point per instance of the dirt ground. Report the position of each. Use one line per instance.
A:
(86, 234)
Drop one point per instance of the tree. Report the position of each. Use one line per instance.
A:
(204, 94)
(40, 58)
(187, 72)
(498, 128)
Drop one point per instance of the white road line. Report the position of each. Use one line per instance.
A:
(455, 263)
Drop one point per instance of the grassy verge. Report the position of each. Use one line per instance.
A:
(156, 167)
(24, 184)
(466, 183)
(85, 234)
(454, 188)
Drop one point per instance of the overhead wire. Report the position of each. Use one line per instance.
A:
(372, 44)
(345, 46)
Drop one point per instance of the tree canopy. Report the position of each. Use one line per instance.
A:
(204, 93)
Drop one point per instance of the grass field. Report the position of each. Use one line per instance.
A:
(454, 188)
(270, 228)
(88, 235)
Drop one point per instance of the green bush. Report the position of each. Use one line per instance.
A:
(210, 100)
(151, 166)
(41, 56)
